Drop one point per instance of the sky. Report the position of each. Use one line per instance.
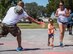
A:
(39, 2)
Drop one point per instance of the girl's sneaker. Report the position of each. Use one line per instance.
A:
(61, 44)
(19, 49)
(51, 45)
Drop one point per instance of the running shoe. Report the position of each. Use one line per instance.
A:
(19, 49)
(61, 44)
(70, 33)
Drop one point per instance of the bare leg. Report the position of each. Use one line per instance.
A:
(16, 32)
(48, 41)
(1, 33)
(70, 30)
(51, 41)
(19, 41)
(0, 37)
(61, 28)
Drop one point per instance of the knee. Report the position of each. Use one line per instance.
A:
(18, 34)
(61, 32)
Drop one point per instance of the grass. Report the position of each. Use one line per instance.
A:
(33, 26)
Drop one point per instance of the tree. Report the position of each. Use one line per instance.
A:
(71, 4)
(4, 6)
(53, 5)
(34, 10)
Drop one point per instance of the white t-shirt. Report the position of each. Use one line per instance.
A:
(13, 18)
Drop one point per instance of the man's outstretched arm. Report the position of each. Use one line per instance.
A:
(35, 21)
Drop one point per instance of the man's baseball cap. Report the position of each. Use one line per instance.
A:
(17, 9)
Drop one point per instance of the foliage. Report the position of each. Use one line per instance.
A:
(53, 5)
(34, 10)
(4, 6)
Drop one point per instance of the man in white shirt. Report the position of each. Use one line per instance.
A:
(9, 23)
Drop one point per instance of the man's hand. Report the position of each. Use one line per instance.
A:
(38, 22)
(42, 24)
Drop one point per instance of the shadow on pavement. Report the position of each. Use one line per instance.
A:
(68, 45)
(30, 49)
(27, 49)
(34, 49)
(64, 46)
(1, 43)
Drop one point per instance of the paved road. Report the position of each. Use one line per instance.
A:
(34, 41)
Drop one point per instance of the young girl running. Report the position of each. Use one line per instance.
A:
(51, 33)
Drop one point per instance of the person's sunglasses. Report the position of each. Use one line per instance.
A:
(60, 5)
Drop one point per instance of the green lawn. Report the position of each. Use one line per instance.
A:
(32, 26)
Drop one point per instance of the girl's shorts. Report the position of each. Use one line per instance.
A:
(50, 35)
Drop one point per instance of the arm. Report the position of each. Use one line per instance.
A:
(49, 28)
(55, 28)
(33, 20)
(56, 14)
(67, 13)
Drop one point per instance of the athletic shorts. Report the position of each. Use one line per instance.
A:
(70, 24)
(14, 30)
(58, 21)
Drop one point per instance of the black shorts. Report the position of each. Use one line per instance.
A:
(70, 24)
(50, 35)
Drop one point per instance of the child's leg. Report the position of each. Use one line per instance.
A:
(48, 39)
(52, 41)
(70, 30)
